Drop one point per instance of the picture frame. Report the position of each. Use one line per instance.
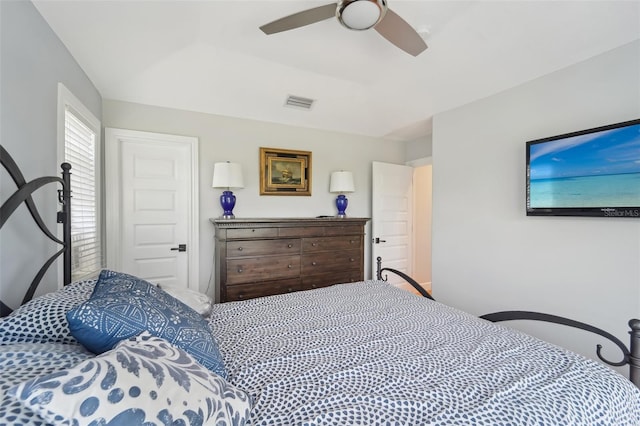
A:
(285, 172)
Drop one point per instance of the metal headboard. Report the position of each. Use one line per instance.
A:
(630, 356)
(23, 195)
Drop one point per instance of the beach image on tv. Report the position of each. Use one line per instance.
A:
(600, 169)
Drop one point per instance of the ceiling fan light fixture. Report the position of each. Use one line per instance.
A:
(356, 15)
(360, 14)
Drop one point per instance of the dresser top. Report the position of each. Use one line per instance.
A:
(288, 221)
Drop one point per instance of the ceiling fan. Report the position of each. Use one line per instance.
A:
(356, 15)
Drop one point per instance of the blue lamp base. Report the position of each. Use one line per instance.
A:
(341, 204)
(228, 202)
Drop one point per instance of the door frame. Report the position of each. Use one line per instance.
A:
(113, 139)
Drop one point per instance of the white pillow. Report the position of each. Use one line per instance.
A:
(144, 380)
(199, 302)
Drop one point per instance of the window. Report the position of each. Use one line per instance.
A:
(79, 145)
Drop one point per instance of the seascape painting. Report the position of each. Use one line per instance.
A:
(600, 169)
(285, 172)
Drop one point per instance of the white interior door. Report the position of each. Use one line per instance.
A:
(152, 206)
(392, 218)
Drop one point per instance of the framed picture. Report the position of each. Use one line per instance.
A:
(285, 172)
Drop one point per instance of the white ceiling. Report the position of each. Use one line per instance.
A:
(210, 56)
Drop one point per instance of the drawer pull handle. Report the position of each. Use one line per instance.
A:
(240, 270)
(289, 245)
(352, 260)
(352, 241)
(289, 266)
(290, 290)
(239, 248)
(314, 244)
(313, 263)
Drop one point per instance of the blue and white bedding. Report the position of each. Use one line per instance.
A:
(370, 354)
(113, 351)
(352, 354)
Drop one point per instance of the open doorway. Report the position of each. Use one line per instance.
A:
(422, 208)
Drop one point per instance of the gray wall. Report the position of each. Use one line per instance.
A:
(487, 254)
(238, 140)
(33, 61)
(419, 148)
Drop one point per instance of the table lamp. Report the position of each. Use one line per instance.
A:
(341, 182)
(227, 175)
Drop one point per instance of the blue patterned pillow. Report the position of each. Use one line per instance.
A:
(25, 361)
(143, 381)
(43, 319)
(123, 306)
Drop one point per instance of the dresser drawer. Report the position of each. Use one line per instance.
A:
(331, 243)
(331, 261)
(246, 270)
(252, 233)
(308, 231)
(265, 288)
(262, 247)
(343, 230)
(327, 279)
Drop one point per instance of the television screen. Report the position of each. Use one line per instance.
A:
(594, 172)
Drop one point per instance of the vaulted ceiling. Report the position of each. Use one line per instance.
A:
(210, 56)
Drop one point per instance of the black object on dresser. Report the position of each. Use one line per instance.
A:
(262, 257)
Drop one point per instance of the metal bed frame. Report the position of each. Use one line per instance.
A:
(630, 355)
(23, 195)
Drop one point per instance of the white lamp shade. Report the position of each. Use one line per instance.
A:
(341, 182)
(227, 175)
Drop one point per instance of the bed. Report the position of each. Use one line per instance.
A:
(119, 350)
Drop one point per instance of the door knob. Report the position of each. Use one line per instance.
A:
(378, 240)
(181, 247)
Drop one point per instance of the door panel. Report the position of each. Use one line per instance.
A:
(155, 191)
(391, 221)
(154, 200)
(158, 269)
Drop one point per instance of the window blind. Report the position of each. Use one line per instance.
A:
(80, 152)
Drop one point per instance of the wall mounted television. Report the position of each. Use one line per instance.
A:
(593, 172)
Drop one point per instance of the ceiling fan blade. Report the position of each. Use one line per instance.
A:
(300, 19)
(399, 32)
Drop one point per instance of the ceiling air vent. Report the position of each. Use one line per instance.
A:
(299, 102)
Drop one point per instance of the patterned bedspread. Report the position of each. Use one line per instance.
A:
(370, 354)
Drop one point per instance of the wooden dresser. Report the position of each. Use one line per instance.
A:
(261, 257)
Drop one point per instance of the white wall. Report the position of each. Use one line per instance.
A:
(33, 61)
(238, 140)
(487, 254)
